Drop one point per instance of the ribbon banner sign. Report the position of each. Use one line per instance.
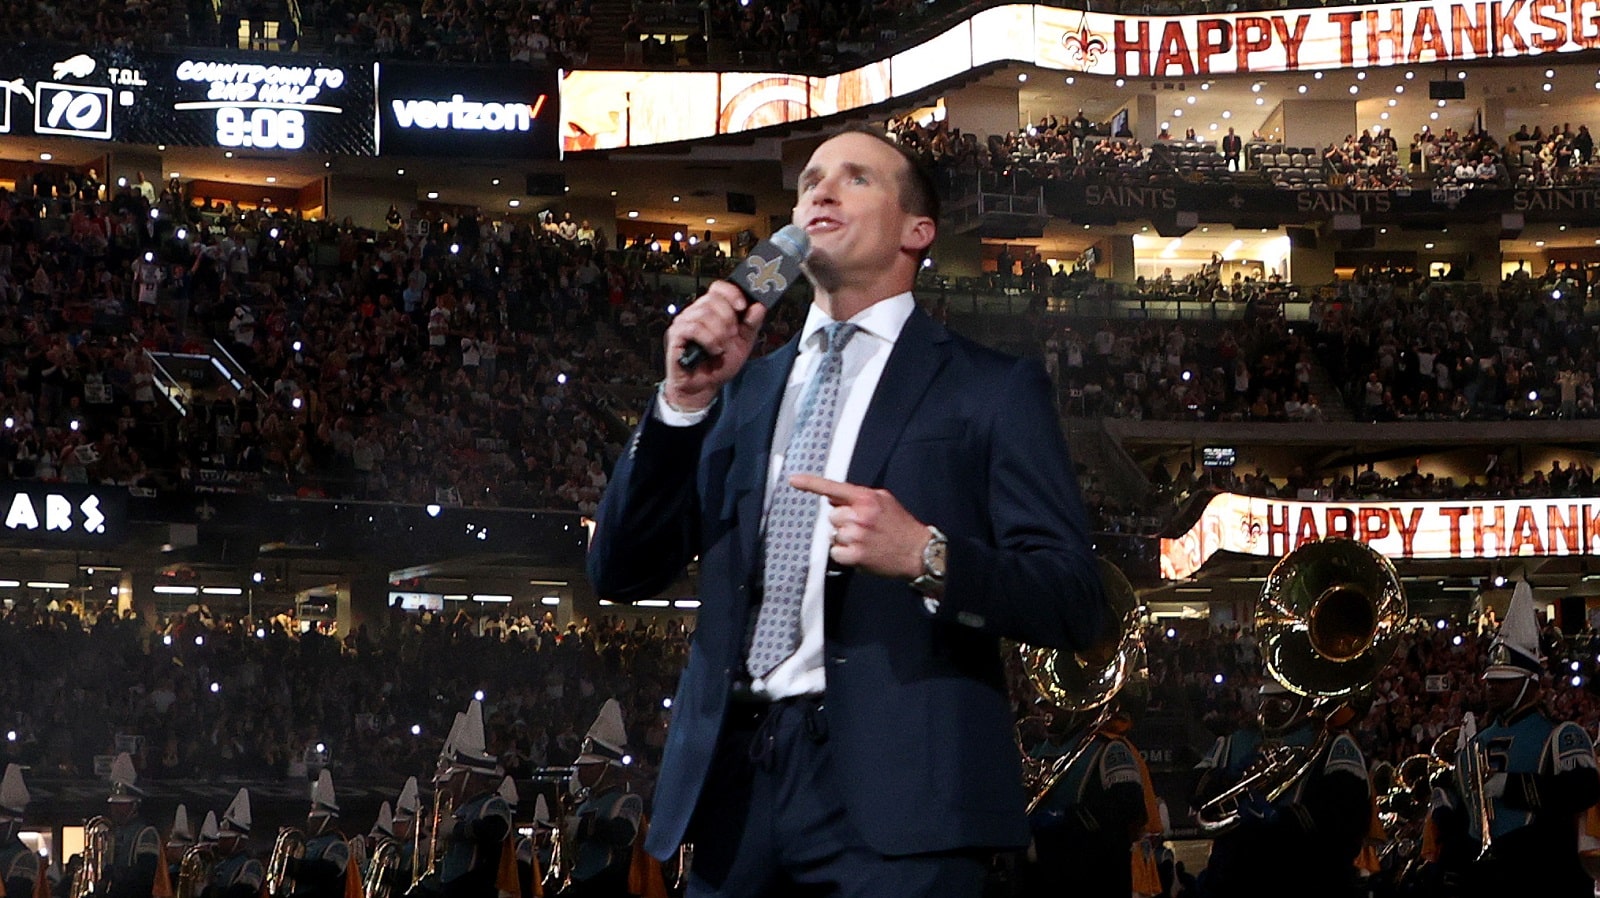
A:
(1496, 528)
(605, 109)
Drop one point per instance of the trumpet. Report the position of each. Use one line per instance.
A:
(194, 871)
(97, 846)
(290, 843)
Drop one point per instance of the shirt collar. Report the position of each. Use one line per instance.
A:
(883, 319)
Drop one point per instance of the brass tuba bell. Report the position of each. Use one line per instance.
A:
(1328, 619)
(1087, 680)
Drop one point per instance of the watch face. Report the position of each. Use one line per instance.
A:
(934, 558)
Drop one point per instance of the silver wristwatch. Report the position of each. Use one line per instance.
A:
(931, 581)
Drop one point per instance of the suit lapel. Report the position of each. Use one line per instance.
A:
(918, 355)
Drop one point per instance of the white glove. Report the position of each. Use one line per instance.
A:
(1495, 786)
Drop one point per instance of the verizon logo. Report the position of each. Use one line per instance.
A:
(460, 114)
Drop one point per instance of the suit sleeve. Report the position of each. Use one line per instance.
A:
(647, 529)
(1033, 577)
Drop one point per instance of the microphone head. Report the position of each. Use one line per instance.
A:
(793, 241)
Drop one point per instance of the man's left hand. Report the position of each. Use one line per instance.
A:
(872, 531)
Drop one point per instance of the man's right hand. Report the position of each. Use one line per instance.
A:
(725, 324)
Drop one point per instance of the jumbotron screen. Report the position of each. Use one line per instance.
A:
(228, 99)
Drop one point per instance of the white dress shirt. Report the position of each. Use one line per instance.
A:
(864, 358)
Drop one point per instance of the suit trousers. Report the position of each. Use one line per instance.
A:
(772, 822)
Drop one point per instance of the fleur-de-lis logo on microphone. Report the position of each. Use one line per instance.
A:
(765, 275)
(1083, 46)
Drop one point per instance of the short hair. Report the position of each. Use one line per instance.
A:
(919, 195)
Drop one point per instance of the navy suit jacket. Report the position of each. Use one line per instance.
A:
(921, 727)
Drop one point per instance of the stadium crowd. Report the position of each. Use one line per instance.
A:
(471, 364)
(1450, 161)
(210, 695)
(1396, 346)
(203, 694)
(1449, 351)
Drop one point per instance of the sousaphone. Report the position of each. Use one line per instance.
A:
(1328, 619)
(1087, 680)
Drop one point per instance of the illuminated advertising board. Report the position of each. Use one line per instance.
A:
(233, 100)
(67, 91)
(253, 101)
(605, 110)
(456, 111)
(63, 514)
(609, 110)
(1475, 528)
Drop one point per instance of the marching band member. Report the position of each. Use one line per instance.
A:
(545, 833)
(382, 829)
(473, 836)
(237, 874)
(178, 841)
(1309, 839)
(1537, 775)
(19, 865)
(130, 872)
(1085, 827)
(319, 872)
(608, 816)
(406, 808)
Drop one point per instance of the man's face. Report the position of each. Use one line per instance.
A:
(849, 204)
(1500, 694)
(589, 774)
(120, 812)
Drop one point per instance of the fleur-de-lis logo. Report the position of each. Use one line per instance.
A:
(1083, 46)
(1250, 529)
(765, 275)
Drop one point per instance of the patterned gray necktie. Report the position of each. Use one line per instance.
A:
(793, 516)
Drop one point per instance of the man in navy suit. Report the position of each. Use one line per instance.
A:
(877, 756)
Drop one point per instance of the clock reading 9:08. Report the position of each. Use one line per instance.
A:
(267, 129)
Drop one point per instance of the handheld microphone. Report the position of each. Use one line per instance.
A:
(763, 276)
